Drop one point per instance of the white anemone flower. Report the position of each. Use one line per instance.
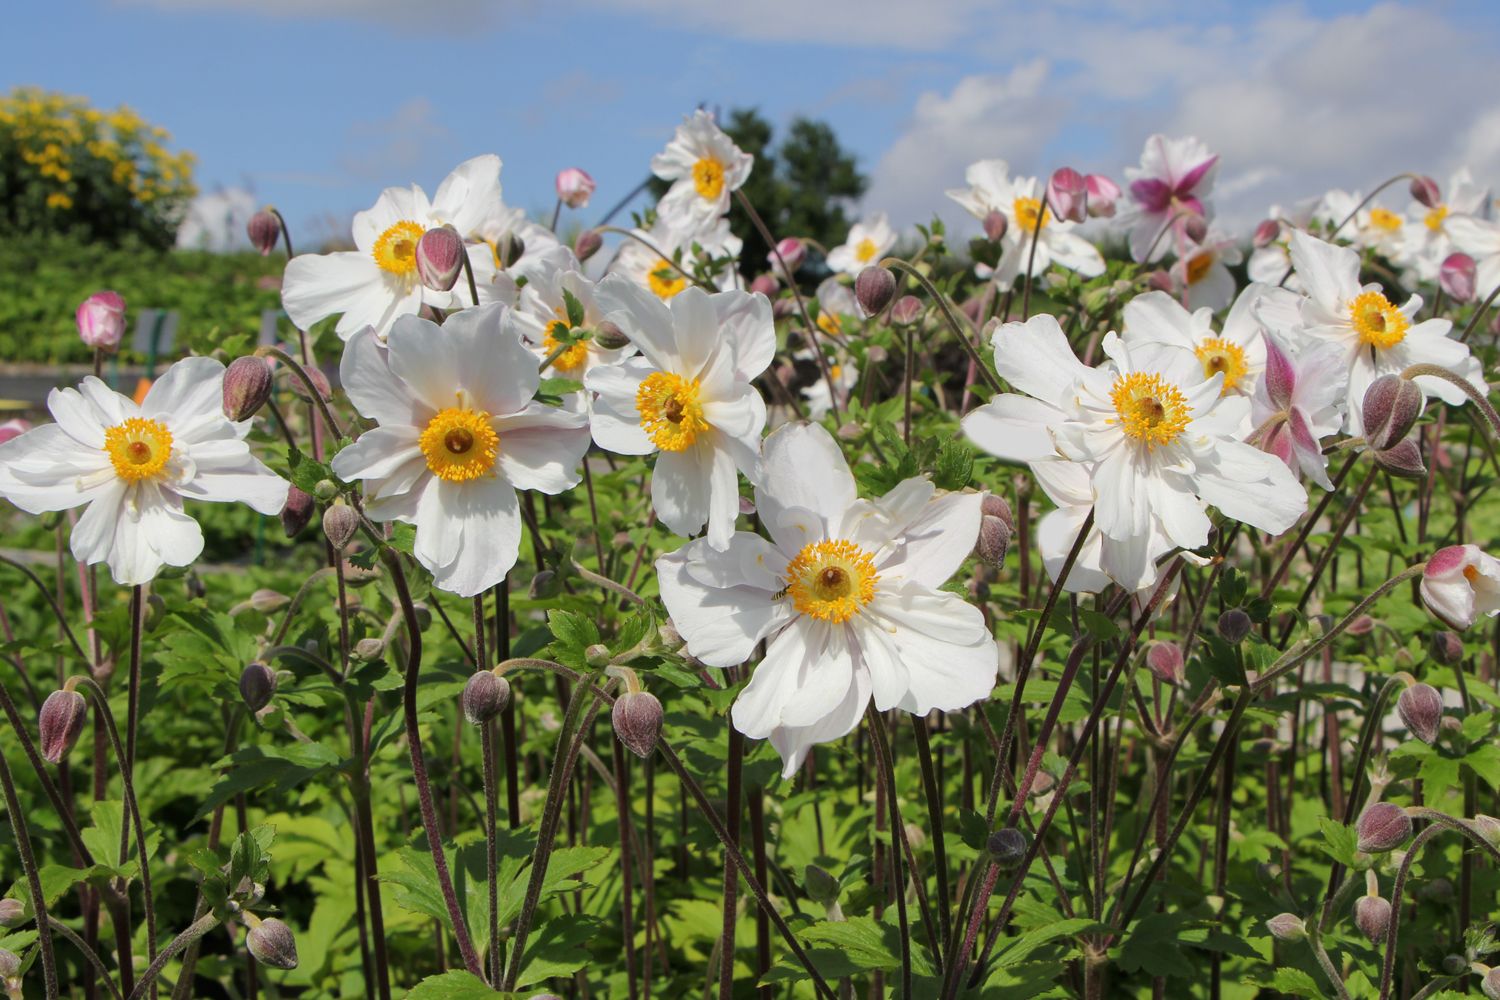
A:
(845, 594)
(1426, 239)
(1480, 239)
(868, 241)
(705, 168)
(1019, 200)
(652, 266)
(1377, 336)
(459, 432)
(377, 282)
(1238, 353)
(1171, 184)
(134, 465)
(688, 396)
(541, 314)
(1159, 441)
(1201, 274)
(1460, 583)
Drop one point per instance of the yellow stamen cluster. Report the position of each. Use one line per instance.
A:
(1377, 321)
(459, 444)
(865, 250)
(671, 414)
(708, 178)
(139, 448)
(1199, 265)
(830, 324)
(1384, 219)
(664, 280)
(1026, 211)
(1223, 356)
(571, 358)
(1151, 409)
(1434, 218)
(832, 580)
(396, 249)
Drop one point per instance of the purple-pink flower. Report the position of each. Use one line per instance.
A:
(1172, 182)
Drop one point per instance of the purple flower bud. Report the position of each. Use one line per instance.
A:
(1103, 193)
(1164, 660)
(1287, 927)
(1392, 405)
(1403, 461)
(908, 309)
(340, 522)
(440, 258)
(764, 284)
(1234, 625)
(995, 528)
(247, 386)
(1266, 233)
(1363, 625)
(1159, 281)
(1281, 375)
(1490, 984)
(486, 695)
(1457, 277)
(874, 289)
(1195, 228)
(1425, 190)
(995, 224)
(587, 244)
(1068, 193)
(1421, 710)
(10, 968)
(318, 379)
(61, 722)
(574, 187)
(637, 718)
(1447, 648)
(271, 942)
(297, 511)
(1007, 846)
(11, 912)
(596, 655)
(792, 252)
(544, 584)
(264, 229)
(1373, 916)
(1487, 827)
(610, 337)
(101, 321)
(257, 685)
(1383, 826)
(368, 649)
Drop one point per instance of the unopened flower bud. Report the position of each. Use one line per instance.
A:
(320, 383)
(1456, 277)
(764, 284)
(1425, 190)
(264, 229)
(271, 942)
(1103, 193)
(1006, 846)
(587, 244)
(1266, 233)
(11, 912)
(440, 258)
(1287, 927)
(1164, 660)
(1067, 194)
(545, 584)
(574, 187)
(296, 512)
(822, 888)
(340, 522)
(1373, 916)
(596, 655)
(325, 490)
(101, 321)
(610, 337)
(792, 252)
(995, 528)
(908, 309)
(1447, 648)
(1159, 281)
(268, 601)
(995, 225)
(369, 649)
(257, 685)
(637, 718)
(247, 386)
(1383, 826)
(874, 289)
(1404, 460)
(1487, 827)
(1363, 625)
(1454, 965)
(1490, 984)
(1234, 625)
(1391, 406)
(10, 965)
(486, 695)
(1195, 227)
(61, 722)
(1421, 710)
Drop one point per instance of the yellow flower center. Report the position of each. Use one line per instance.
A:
(573, 356)
(396, 249)
(1151, 409)
(665, 281)
(1026, 211)
(831, 581)
(829, 323)
(1198, 267)
(459, 444)
(1219, 355)
(836, 371)
(671, 414)
(1384, 218)
(865, 250)
(1378, 322)
(1434, 218)
(708, 178)
(138, 448)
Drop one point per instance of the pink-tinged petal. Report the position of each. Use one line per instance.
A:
(1151, 194)
(1280, 377)
(1195, 174)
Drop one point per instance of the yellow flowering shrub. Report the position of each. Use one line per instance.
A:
(67, 167)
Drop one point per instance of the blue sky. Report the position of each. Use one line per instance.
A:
(314, 105)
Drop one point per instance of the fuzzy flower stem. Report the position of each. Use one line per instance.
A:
(1465, 386)
(1478, 314)
(665, 258)
(52, 603)
(1388, 965)
(18, 827)
(307, 382)
(195, 930)
(990, 378)
(67, 933)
